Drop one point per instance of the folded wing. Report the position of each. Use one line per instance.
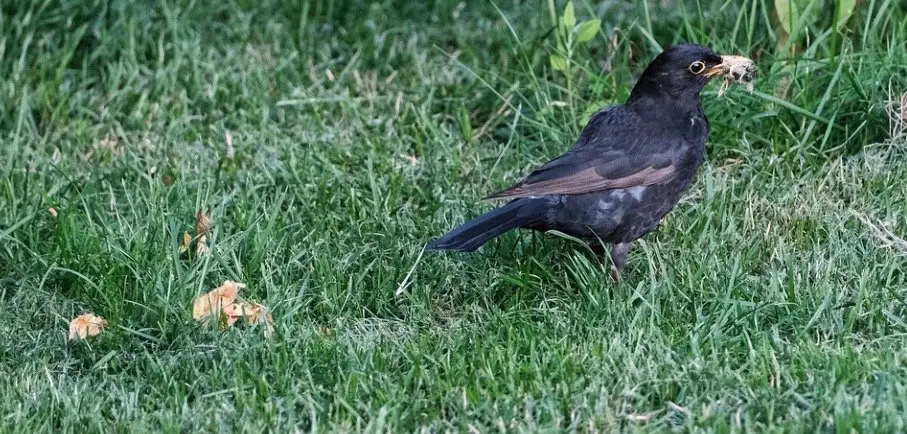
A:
(588, 177)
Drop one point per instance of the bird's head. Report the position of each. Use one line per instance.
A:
(682, 71)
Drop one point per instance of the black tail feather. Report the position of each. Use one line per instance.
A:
(473, 234)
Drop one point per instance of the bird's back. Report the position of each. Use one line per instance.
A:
(622, 141)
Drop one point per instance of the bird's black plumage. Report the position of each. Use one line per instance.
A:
(627, 170)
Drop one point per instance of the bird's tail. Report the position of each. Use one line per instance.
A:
(473, 234)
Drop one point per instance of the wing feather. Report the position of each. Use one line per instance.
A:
(613, 151)
(585, 181)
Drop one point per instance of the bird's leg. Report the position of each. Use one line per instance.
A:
(619, 253)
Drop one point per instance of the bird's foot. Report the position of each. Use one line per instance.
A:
(619, 252)
(605, 258)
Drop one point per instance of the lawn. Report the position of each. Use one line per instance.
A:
(330, 140)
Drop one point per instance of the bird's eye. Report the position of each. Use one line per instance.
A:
(697, 67)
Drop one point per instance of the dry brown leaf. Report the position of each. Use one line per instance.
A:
(203, 223)
(85, 325)
(222, 302)
(236, 311)
(201, 247)
(216, 300)
(253, 314)
(184, 245)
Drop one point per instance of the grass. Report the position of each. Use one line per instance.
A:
(772, 299)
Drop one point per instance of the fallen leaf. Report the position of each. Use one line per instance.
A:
(236, 311)
(222, 302)
(203, 223)
(184, 245)
(253, 314)
(85, 325)
(201, 247)
(215, 300)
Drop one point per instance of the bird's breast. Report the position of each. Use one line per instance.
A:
(697, 129)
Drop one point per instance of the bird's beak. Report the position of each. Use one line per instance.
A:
(735, 68)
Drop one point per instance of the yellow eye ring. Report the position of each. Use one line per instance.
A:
(697, 67)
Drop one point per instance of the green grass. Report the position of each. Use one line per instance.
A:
(774, 298)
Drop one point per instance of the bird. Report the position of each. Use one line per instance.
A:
(629, 167)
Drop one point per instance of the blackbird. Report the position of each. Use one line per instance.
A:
(628, 169)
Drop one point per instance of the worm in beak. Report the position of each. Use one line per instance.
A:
(735, 69)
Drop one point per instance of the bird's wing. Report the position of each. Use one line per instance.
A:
(572, 174)
(608, 155)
